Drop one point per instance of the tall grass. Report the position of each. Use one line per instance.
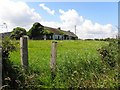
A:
(78, 64)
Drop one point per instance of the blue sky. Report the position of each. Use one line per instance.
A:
(101, 12)
(92, 19)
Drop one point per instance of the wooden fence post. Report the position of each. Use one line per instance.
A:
(53, 59)
(24, 51)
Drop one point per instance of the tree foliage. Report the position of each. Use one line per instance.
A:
(36, 30)
(18, 32)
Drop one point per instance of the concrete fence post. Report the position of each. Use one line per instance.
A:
(53, 59)
(24, 51)
(0, 67)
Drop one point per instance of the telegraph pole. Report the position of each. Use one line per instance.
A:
(75, 29)
(5, 26)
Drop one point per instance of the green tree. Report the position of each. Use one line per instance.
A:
(18, 32)
(36, 31)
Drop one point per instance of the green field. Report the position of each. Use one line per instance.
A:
(39, 51)
(78, 64)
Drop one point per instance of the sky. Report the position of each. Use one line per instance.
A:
(92, 19)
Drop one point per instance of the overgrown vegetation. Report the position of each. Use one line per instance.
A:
(13, 76)
(79, 64)
(109, 54)
(10, 72)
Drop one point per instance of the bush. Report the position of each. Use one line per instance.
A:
(109, 54)
(13, 76)
(110, 58)
(8, 74)
(17, 33)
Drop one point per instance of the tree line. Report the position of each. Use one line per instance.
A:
(36, 30)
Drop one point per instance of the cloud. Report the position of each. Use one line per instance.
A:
(85, 28)
(20, 14)
(70, 16)
(17, 14)
(52, 12)
(69, 19)
(51, 24)
(95, 30)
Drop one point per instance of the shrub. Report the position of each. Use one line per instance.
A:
(109, 54)
(17, 33)
(110, 58)
(8, 74)
(13, 76)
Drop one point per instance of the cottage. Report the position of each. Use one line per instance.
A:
(58, 34)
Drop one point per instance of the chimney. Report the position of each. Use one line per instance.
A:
(59, 28)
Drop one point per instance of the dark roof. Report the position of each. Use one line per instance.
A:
(60, 32)
(70, 33)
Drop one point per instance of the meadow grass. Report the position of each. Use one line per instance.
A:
(76, 59)
(40, 51)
